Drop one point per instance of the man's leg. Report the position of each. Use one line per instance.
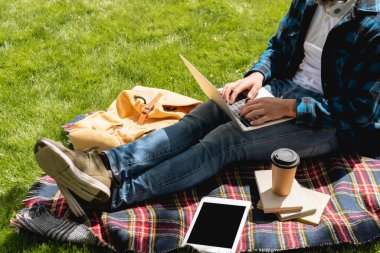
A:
(222, 146)
(138, 156)
(86, 174)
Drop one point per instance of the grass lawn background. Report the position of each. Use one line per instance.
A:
(59, 59)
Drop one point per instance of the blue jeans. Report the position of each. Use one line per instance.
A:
(201, 144)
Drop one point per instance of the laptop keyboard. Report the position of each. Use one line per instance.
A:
(235, 108)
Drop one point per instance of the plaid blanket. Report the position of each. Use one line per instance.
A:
(351, 216)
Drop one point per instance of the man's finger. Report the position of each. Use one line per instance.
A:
(254, 114)
(236, 91)
(259, 121)
(227, 90)
(253, 92)
(248, 108)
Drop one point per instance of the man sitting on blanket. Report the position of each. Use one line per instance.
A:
(322, 66)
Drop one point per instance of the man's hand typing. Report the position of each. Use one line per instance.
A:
(268, 109)
(251, 83)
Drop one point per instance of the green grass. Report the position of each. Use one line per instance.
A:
(62, 58)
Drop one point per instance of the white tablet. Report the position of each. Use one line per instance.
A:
(217, 225)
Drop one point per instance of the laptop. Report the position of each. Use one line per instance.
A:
(231, 110)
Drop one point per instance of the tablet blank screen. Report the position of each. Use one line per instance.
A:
(216, 225)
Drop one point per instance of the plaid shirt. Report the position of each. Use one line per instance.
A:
(350, 71)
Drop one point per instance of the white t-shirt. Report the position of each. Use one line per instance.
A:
(309, 72)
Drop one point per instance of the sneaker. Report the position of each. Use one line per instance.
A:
(83, 173)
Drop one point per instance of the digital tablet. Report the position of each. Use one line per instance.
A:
(217, 225)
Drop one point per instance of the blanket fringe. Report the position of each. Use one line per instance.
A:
(33, 191)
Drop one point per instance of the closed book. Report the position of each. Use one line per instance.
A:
(312, 210)
(319, 201)
(273, 203)
(290, 216)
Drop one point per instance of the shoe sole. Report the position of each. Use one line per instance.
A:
(60, 167)
(74, 206)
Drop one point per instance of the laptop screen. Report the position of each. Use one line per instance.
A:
(217, 225)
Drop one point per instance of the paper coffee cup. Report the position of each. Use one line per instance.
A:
(284, 167)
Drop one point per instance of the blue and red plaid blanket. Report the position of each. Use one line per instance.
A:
(351, 216)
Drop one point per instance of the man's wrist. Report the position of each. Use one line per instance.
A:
(292, 107)
(258, 76)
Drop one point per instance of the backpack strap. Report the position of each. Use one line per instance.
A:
(148, 108)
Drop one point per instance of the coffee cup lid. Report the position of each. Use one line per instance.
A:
(285, 158)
